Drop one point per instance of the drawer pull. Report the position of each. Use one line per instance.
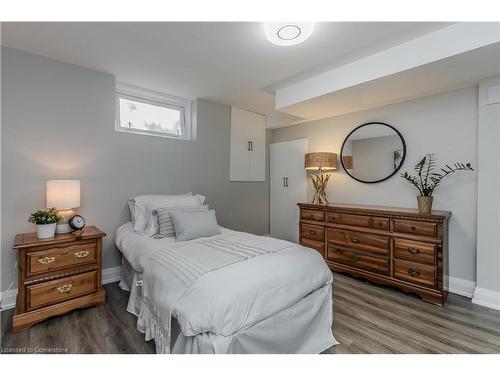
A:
(413, 251)
(66, 288)
(413, 272)
(355, 240)
(82, 254)
(355, 259)
(46, 260)
(64, 252)
(413, 227)
(312, 232)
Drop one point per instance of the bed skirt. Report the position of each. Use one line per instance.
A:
(303, 328)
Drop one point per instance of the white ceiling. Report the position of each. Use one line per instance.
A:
(230, 63)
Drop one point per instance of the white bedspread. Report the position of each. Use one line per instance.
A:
(224, 284)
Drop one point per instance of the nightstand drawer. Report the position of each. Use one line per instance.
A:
(60, 257)
(51, 292)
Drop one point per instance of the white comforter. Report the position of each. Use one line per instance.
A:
(223, 284)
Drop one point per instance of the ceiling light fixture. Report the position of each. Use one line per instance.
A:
(289, 33)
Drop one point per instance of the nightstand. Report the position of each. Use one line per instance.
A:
(57, 275)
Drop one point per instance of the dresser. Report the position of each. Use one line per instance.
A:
(386, 245)
(57, 275)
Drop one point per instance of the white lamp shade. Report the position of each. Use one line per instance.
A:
(63, 194)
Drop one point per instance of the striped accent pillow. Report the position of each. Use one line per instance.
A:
(165, 226)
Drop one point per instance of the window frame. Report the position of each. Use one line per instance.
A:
(184, 106)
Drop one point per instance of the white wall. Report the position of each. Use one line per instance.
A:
(444, 124)
(488, 221)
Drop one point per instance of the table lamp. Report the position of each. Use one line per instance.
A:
(64, 195)
(320, 161)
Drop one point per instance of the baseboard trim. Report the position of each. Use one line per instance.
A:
(459, 286)
(111, 274)
(8, 297)
(487, 298)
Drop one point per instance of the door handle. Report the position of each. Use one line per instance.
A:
(286, 181)
(251, 145)
(248, 148)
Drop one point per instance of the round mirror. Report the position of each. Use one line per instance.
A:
(373, 152)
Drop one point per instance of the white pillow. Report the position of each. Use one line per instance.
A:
(189, 225)
(144, 205)
(165, 225)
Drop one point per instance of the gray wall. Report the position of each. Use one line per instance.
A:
(444, 124)
(58, 123)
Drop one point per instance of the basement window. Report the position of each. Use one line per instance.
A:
(147, 112)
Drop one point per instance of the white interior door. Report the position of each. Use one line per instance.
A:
(288, 187)
(257, 138)
(239, 163)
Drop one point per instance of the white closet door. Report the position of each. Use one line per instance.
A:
(248, 146)
(277, 189)
(287, 162)
(239, 168)
(258, 148)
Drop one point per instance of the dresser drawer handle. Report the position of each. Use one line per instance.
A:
(413, 272)
(82, 254)
(46, 260)
(355, 240)
(66, 288)
(413, 251)
(355, 259)
(312, 232)
(413, 227)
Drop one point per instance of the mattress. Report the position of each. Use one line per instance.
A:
(304, 327)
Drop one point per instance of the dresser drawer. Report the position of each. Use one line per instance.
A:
(334, 218)
(51, 292)
(60, 257)
(357, 259)
(312, 215)
(419, 228)
(313, 232)
(318, 246)
(365, 221)
(371, 243)
(415, 273)
(415, 251)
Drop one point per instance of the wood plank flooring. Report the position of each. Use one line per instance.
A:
(367, 319)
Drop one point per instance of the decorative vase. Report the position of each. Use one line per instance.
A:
(45, 230)
(424, 205)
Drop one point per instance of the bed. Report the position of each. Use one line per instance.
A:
(230, 293)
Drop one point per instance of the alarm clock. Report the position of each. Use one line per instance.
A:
(77, 222)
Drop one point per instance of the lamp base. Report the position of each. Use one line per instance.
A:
(63, 223)
(320, 182)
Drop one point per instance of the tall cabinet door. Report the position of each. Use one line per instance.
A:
(248, 148)
(288, 187)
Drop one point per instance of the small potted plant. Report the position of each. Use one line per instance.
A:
(427, 179)
(45, 222)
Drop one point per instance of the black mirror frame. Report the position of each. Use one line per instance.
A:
(385, 178)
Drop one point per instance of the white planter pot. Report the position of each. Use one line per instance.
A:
(45, 230)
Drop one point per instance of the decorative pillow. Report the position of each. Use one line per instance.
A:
(194, 224)
(165, 225)
(143, 206)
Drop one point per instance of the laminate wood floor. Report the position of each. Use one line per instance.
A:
(367, 319)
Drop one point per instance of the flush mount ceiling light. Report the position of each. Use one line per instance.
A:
(288, 33)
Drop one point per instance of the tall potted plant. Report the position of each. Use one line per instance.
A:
(427, 179)
(45, 221)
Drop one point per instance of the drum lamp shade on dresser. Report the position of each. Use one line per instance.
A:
(64, 195)
(320, 161)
